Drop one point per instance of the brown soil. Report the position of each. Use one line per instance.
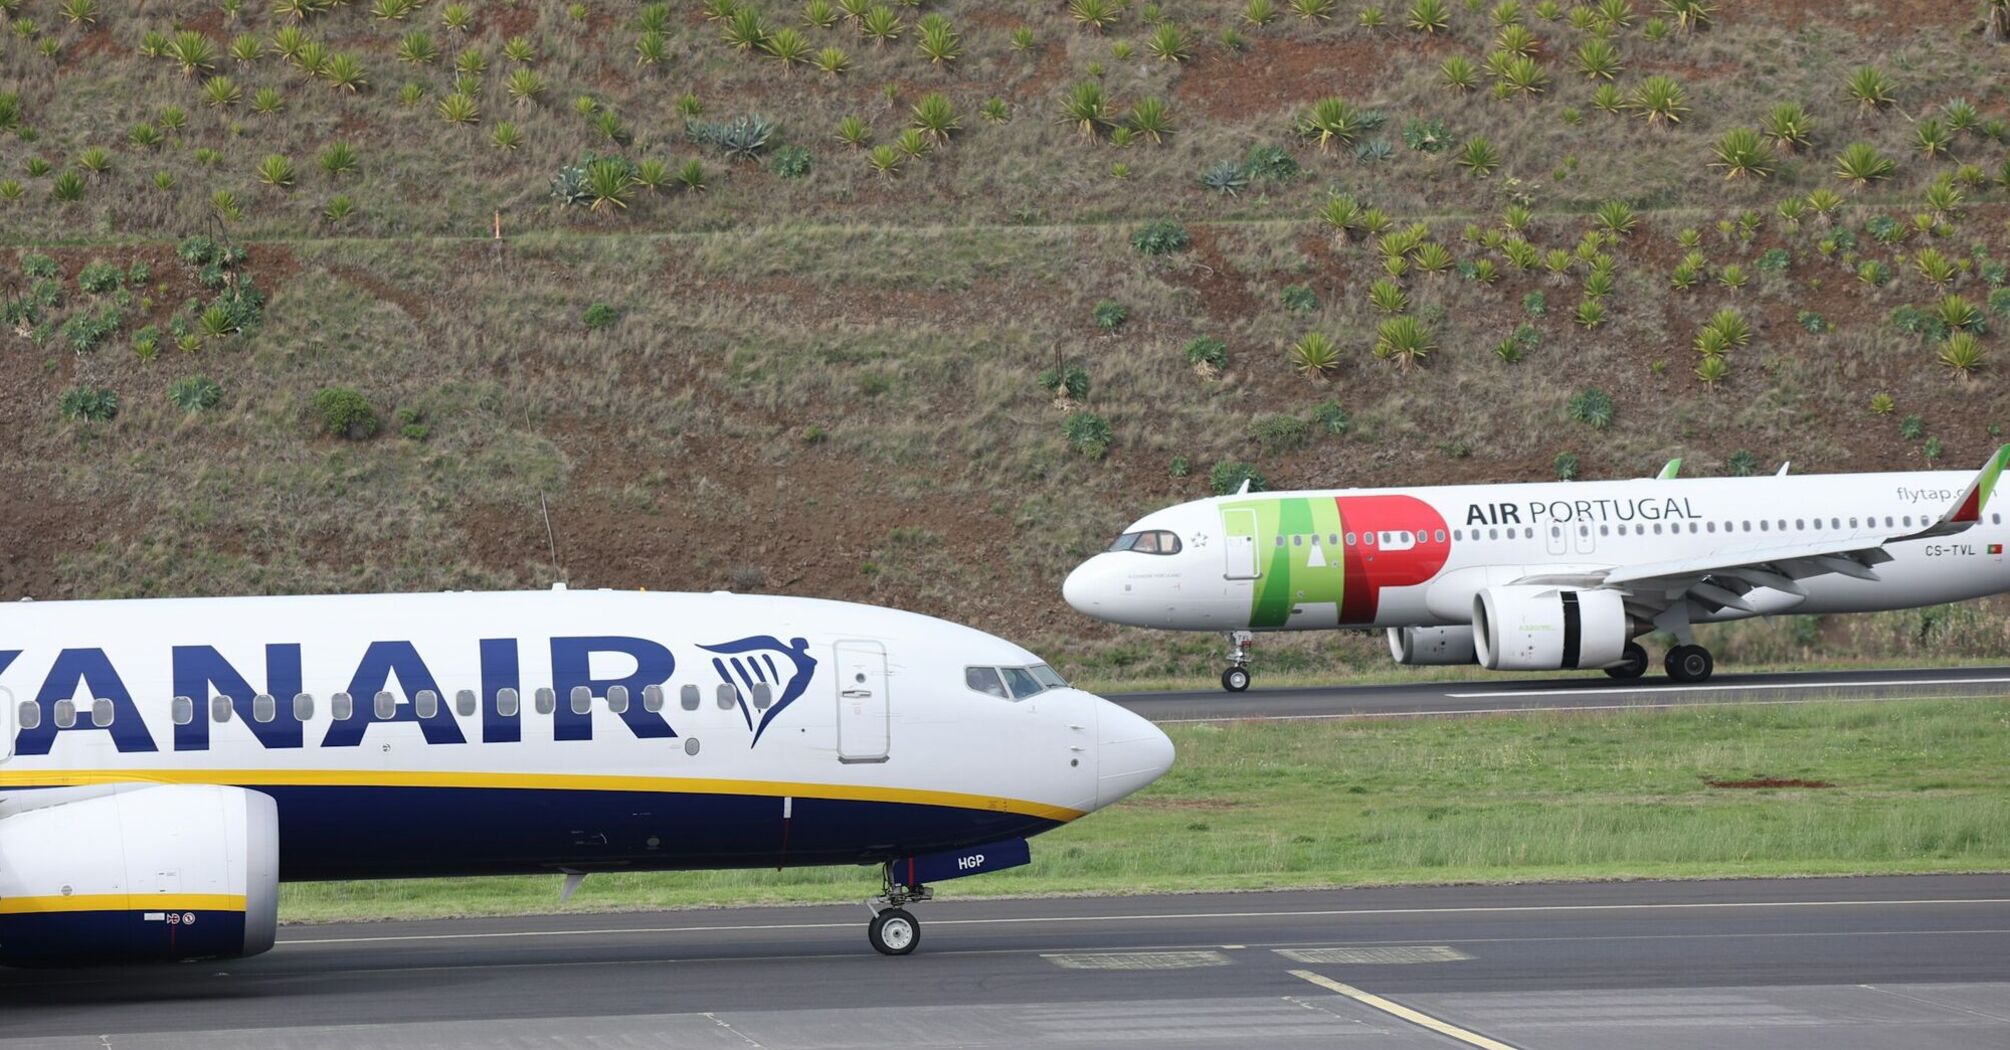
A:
(1883, 18)
(1280, 75)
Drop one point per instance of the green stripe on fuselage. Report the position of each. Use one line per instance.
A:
(1300, 571)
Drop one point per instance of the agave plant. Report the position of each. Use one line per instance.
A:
(1943, 199)
(1690, 15)
(1744, 152)
(1712, 370)
(520, 50)
(1935, 266)
(1962, 353)
(939, 41)
(287, 42)
(459, 108)
(1151, 118)
(608, 182)
(1788, 125)
(524, 85)
(1343, 214)
(935, 116)
(788, 45)
(881, 24)
(338, 159)
(1314, 354)
(652, 48)
(1313, 10)
(458, 17)
(1170, 43)
(819, 14)
(1432, 258)
(192, 51)
(221, 92)
(1084, 107)
(1517, 40)
(1860, 164)
(1428, 16)
(832, 60)
(1329, 119)
(1227, 178)
(1960, 315)
(692, 175)
(1660, 99)
(1259, 12)
(1094, 15)
(853, 132)
(246, 48)
(144, 135)
(1522, 75)
(1590, 314)
(1932, 136)
(1870, 88)
(344, 71)
(1459, 73)
(312, 56)
(1389, 297)
(1598, 59)
(275, 170)
(746, 30)
(885, 160)
(1405, 340)
(506, 136)
(1479, 157)
(417, 47)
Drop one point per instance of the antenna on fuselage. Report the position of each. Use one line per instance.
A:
(1244, 490)
(550, 536)
(1783, 469)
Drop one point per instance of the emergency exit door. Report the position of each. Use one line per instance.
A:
(1239, 547)
(864, 716)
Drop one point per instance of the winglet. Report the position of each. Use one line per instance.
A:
(1669, 472)
(1967, 507)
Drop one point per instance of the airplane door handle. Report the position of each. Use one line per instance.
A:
(856, 693)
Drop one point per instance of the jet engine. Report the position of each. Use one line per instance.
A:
(137, 874)
(1432, 646)
(1537, 628)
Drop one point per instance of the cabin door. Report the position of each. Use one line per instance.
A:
(864, 719)
(1240, 546)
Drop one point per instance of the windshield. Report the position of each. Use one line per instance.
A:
(1155, 541)
(1013, 683)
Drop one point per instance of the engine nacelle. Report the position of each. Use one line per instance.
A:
(1536, 628)
(1432, 646)
(136, 873)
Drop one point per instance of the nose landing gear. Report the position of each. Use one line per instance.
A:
(1236, 678)
(894, 930)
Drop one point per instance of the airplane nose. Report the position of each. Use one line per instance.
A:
(1130, 753)
(1080, 589)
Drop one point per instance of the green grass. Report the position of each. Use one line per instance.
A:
(1919, 786)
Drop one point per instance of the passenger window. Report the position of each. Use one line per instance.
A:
(1298, 541)
(386, 705)
(652, 698)
(1350, 539)
(688, 696)
(508, 702)
(985, 680)
(1280, 541)
(101, 712)
(581, 699)
(264, 708)
(219, 709)
(303, 707)
(427, 704)
(30, 716)
(1657, 528)
(617, 698)
(729, 697)
(1710, 526)
(1021, 682)
(464, 703)
(341, 708)
(1762, 525)
(1440, 534)
(1333, 540)
(1835, 523)
(1493, 534)
(66, 714)
(546, 700)
(182, 712)
(763, 696)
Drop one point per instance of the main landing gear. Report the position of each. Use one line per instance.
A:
(1687, 664)
(1236, 678)
(893, 930)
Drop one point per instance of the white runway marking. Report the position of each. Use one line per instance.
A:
(1395, 1009)
(1033, 919)
(1388, 955)
(1729, 688)
(1135, 960)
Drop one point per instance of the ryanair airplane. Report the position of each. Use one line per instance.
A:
(164, 764)
(1556, 576)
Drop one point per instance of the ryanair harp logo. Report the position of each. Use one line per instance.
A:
(763, 660)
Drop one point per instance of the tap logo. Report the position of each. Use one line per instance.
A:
(764, 660)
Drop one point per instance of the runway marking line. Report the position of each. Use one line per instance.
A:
(1731, 688)
(1536, 710)
(1023, 920)
(1396, 1009)
(1374, 955)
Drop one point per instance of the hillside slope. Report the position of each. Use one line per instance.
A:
(815, 376)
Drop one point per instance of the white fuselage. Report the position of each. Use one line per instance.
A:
(496, 732)
(1417, 557)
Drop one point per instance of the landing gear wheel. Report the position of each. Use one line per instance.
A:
(1689, 663)
(1635, 665)
(894, 932)
(1235, 679)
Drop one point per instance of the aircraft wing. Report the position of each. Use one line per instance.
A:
(1723, 577)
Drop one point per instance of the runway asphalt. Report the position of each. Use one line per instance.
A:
(1509, 693)
(1840, 964)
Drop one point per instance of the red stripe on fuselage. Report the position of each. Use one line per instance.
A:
(1369, 568)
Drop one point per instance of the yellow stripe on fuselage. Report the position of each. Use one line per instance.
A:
(122, 902)
(535, 782)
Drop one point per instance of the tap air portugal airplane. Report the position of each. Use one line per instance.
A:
(1546, 577)
(164, 764)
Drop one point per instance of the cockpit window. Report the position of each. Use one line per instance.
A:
(1021, 682)
(1156, 541)
(985, 680)
(1013, 683)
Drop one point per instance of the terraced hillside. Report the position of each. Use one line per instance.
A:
(919, 304)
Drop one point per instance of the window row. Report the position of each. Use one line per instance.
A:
(1157, 541)
(426, 704)
(1403, 538)
(1013, 683)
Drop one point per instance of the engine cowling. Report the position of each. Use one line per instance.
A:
(1432, 646)
(137, 874)
(1536, 628)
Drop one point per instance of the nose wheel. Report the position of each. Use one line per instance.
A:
(894, 930)
(1236, 678)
